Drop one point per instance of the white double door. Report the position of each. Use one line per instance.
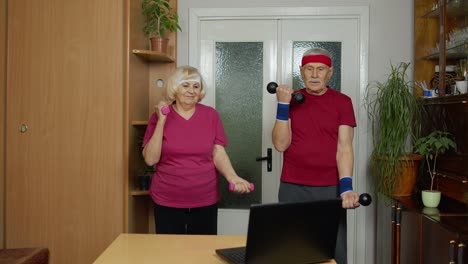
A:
(238, 57)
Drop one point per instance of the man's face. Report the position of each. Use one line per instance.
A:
(316, 76)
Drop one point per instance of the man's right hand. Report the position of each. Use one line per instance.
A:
(284, 93)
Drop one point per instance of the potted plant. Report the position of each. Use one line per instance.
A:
(394, 113)
(159, 19)
(431, 146)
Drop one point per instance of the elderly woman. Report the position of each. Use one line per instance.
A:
(187, 145)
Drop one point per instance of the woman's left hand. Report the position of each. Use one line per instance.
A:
(240, 185)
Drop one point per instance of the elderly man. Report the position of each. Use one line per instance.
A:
(316, 138)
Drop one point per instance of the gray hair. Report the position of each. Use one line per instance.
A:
(181, 74)
(318, 51)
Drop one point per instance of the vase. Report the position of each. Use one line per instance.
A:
(431, 198)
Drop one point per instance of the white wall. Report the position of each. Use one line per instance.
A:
(391, 27)
(391, 40)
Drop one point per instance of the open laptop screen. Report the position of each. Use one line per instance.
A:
(293, 232)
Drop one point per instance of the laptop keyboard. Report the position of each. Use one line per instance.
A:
(238, 256)
(233, 255)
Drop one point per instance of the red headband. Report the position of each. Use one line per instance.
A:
(316, 58)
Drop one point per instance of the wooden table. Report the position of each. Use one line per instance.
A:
(150, 248)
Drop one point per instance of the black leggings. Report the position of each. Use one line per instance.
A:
(195, 221)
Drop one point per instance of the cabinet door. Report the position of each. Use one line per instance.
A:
(398, 231)
(64, 127)
(410, 237)
(436, 242)
(462, 250)
(2, 116)
(385, 223)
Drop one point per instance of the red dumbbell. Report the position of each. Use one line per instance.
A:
(165, 110)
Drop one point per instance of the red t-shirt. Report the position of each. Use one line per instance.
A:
(311, 157)
(185, 176)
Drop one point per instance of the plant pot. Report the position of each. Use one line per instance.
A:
(431, 198)
(406, 180)
(159, 44)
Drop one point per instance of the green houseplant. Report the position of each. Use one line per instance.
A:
(394, 113)
(159, 19)
(431, 146)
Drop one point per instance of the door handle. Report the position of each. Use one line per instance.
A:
(461, 249)
(452, 251)
(267, 158)
(24, 128)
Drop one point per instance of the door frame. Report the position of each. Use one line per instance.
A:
(361, 226)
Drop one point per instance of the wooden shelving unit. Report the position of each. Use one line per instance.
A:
(139, 193)
(146, 69)
(153, 56)
(139, 123)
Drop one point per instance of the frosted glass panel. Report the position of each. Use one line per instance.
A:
(299, 47)
(238, 80)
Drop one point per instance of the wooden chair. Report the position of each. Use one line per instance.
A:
(24, 256)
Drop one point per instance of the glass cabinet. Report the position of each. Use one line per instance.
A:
(441, 47)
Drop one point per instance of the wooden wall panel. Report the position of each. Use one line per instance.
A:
(2, 118)
(66, 68)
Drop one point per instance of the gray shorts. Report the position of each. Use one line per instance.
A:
(289, 192)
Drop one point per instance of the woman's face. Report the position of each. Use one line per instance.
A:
(188, 93)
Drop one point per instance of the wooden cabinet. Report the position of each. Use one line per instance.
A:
(75, 96)
(3, 28)
(444, 241)
(148, 71)
(64, 126)
(398, 231)
(408, 233)
(441, 33)
(449, 113)
(441, 40)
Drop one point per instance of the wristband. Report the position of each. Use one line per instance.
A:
(346, 184)
(282, 113)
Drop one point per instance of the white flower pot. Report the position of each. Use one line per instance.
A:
(431, 198)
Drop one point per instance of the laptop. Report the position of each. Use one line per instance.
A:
(289, 233)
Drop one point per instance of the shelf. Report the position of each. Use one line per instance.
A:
(139, 123)
(139, 193)
(457, 52)
(155, 56)
(445, 100)
(455, 8)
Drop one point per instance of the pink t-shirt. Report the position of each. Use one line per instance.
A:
(311, 157)
(185, 176)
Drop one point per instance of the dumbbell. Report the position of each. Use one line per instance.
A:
(365, 199)
(165, 110)
(232, 186)
(298, 97)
